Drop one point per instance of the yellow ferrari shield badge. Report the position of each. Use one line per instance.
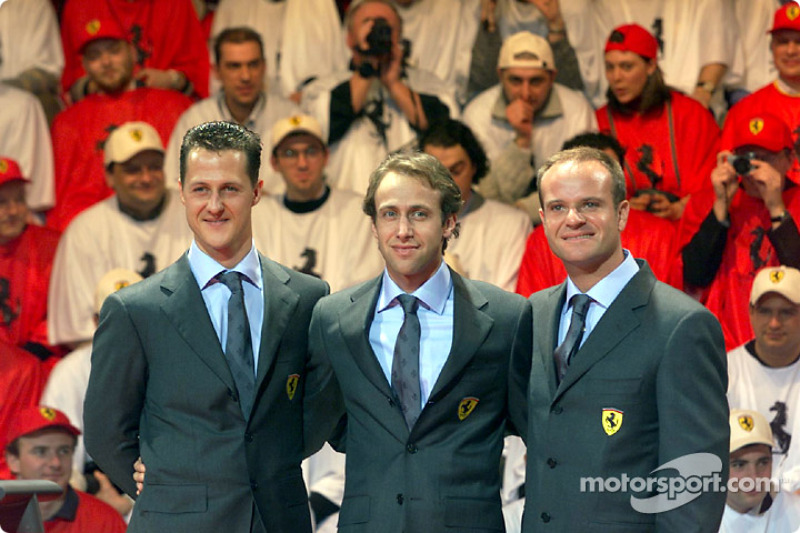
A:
(3, 166)
(291, 385)
(466, 407)
(746, 422)
(776, 276)
(47, 413)
(92, 27)
(756, 125)
(792, 11)
(612, 420)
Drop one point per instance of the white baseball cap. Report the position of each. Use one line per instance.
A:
(526, 50)
(128, 140)
(782, 280)
(293, 125)
(747, 428)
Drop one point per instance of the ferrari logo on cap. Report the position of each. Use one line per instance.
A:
(120, 285)
(295, 120)
(3, 166)
(756, 125)
(466, 407)
(291, 385)
(612, 420)
(92, 27)
(792, 11)
(136, 135)
(776, 277)
(746, 422)
(47, 413)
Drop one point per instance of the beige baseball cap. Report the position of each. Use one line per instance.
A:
(782, 280)
(128, 140)
(111, 282)
(526, 50)
(747, 428)
(295, 124)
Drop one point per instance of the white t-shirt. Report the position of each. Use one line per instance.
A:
(490, 244)
(333, 242)
(773, 392)
(102, 238)
(783, 516)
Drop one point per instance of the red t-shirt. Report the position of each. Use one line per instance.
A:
(25, 265)
(79, 133)
(677, 160)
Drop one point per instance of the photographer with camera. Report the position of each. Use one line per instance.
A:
(379, 105)
(745, 223)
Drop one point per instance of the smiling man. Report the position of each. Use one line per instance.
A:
(421, 356)
(203, 370)
(140, 228)
(627, 373)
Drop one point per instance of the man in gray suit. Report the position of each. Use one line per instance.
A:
(221, 430)
(423, 440)
(639, 384)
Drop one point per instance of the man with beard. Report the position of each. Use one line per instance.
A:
(80, 132)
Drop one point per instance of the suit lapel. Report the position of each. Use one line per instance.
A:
(279, 304)
(354, 323)
(617, 323)
(186, 311)
(471, 326)
(548, 338)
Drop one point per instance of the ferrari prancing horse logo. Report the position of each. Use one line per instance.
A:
(466, 407)
(612, 420)
(756, 125)
(291, 385)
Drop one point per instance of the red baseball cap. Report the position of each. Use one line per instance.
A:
(787, 17)
(99, 28)
(36, 418)
(633, 38)
(10, 171)
(764, 130)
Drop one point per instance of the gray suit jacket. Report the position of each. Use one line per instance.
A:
(444, 473)
(161, 388)
(659, 358)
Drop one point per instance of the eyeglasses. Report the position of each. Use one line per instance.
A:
(312, 152)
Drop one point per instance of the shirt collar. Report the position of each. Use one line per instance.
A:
(251, 118)
(551, 109)
(607, 289)
(69, 509)
(433, 294)
(205, 268)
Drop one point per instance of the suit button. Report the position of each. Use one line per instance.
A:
(232, 395)
(248, 437)
(545, 517)
(253, 484)
(391, 402)
(558, 409)
(551, 462)
(411, 448)
(399, 499)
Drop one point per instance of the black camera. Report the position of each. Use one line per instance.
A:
(379, 38)
(741, 163)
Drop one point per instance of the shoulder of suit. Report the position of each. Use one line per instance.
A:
(297, 280)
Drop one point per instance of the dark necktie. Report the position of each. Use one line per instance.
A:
(565, 350)
(238, 346)
(405, 364)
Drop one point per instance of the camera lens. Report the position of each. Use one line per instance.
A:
(742, 165)
(379, 38)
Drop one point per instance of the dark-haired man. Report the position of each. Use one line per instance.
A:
(239, 65)
(494, 234)
(203, 369)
